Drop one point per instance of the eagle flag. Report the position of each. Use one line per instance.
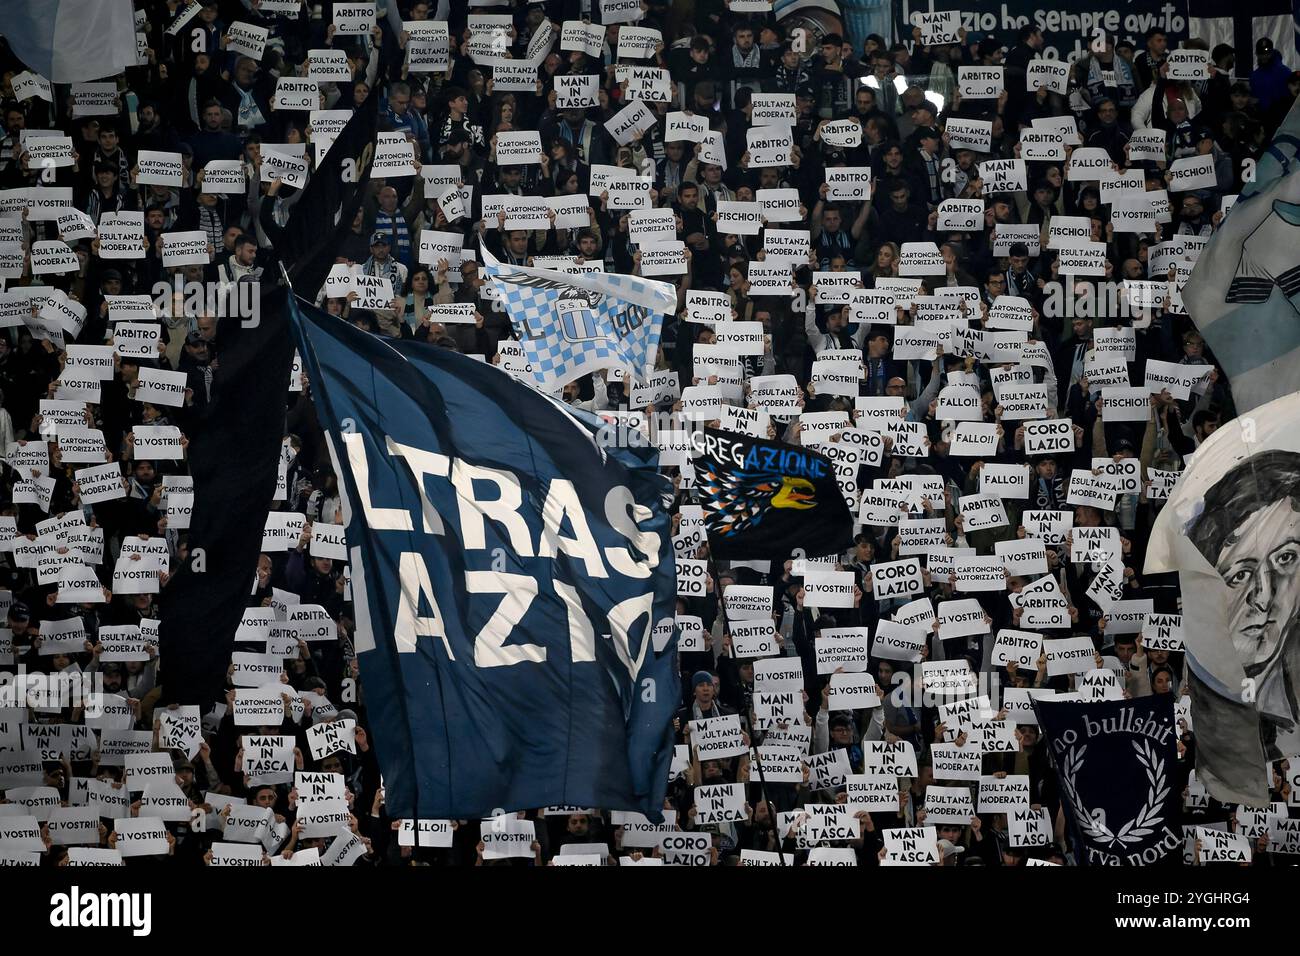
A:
(513, 582)
(571, 325)
(1244, 292)
(1121, 781)
(763, 499)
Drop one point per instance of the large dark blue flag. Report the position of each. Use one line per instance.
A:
(1121, 782)
(508, 574)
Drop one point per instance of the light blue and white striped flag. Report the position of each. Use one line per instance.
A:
(1244, 293)
(570, 325)
(71, 41)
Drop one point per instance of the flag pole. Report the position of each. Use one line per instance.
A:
(762, 782)
(762, 789)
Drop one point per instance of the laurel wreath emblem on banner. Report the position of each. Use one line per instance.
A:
(1141, 826)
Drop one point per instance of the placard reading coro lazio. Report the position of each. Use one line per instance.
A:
(870, 447)
(1123, 474)
(895, 579)
(691, 576)
(1049, 437)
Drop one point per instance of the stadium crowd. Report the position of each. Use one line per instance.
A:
(70, 407)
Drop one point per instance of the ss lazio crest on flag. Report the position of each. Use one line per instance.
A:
(574, 310)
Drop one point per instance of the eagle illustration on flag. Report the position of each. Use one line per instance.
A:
(763, 499)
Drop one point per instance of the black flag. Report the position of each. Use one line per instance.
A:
(234, 455)
(324, 213)
(1120, 778)
(762, 499)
